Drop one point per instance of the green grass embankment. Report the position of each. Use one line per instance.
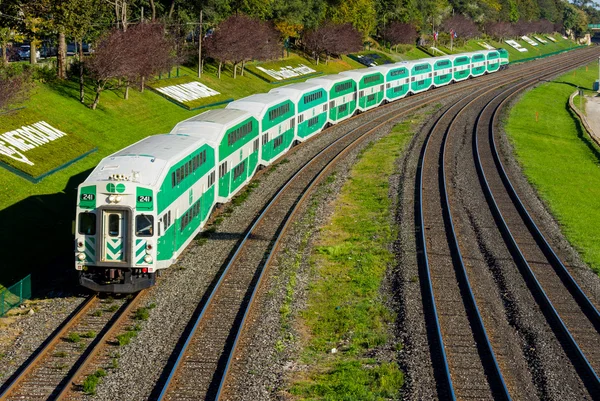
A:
(560, 160)
(345, 306)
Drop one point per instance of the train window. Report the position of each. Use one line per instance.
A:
(211, 179)
(255, 146)
(265, 139)
(87, 223)
(300, 118)
(113, 225)
(144, 225)
(342, 108)
(173, 179)
(313, 121)
(325, 107)
(177, 176)
(277, 141)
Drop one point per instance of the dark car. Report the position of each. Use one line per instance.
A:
(73, 48)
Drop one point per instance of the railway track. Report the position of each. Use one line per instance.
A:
(49, 373)
(202, 364)
(464, 352)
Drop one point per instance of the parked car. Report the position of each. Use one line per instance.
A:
(12, 53)
(25, 51)
(73, 48)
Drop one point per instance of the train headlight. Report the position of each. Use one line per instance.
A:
(148, 249)
(148, 259)
(118, 198)
(80, 245)
(112, 198)
(81, 256)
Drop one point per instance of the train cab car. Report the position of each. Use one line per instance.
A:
(442, 70)
(276, 115)
(311, 107)
(493, 61)
(503, 58)
(131, 211)
(397, 80)
(371, 87)
(478, 63)
(235, 136)
(341, 91)
(462, 67)
(421, 75)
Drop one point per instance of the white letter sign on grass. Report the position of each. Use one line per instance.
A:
(14, 143)
(529, 40)
(516, 45)
(187, 92)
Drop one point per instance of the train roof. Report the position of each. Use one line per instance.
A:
(327, 81)
(149, 157)
(259, 103)
(295, 91)
(384, 69)
(211, 125)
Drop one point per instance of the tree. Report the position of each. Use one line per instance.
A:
(464, 27)
(500, 30)
(331, 39)
(13, 86)
(399, 33)
(360, 13)
(109, 62)
(151, 52)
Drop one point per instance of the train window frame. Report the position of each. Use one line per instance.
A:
(139, 232)
(92, 226)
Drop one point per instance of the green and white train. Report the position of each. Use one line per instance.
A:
(140, 207)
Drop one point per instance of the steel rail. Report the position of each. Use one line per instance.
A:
(249, 232)
(37, 357)
(542, 296)
(179, 358)
(445, 370)
(97, 345)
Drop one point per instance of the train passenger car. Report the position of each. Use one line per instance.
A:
(234, 134)
(442, 71)
(421, 75)
(462, 67)
(342, 94)
(139, 208)
(397, 80)
(478, 63)
(276, 114)
(371, 87)
(503, 57)
(311, 102)
(493, 61)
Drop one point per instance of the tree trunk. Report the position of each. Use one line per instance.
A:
(61, 56)
(97, 98)
(220, 64)
(153, 6)
(81, 78)
(117, 13)
(234, 70)
(124, 16)
(142, 84)
(243, 65)
(32, 57)
(172, 9)
(126, 90)
(4, 55)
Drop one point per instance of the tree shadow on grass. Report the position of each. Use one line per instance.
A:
(36, 237)
(583, 135)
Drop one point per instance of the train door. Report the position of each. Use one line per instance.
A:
(114, 246)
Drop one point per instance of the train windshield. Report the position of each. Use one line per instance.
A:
(87, 223)
(144, 225)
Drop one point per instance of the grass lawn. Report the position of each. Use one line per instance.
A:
(560, 160)
(345, 310)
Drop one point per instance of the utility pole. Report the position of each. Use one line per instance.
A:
(200, 48)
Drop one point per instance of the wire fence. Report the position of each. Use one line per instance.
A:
(14, 295)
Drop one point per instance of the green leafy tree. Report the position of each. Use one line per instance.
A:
(360, 13)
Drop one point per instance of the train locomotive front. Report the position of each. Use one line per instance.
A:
(115, 239)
